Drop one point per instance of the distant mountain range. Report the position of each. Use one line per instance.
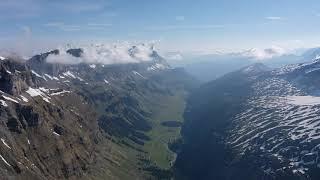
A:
(108, 112)
(211, 66)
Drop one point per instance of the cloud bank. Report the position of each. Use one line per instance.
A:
(274, 18)
(120, 53)
(261, 54)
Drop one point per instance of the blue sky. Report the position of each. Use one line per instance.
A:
(178, 25)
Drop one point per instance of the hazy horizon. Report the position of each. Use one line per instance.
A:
(175, 26)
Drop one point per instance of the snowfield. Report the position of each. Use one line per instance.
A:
(281, 120)
(303, 100)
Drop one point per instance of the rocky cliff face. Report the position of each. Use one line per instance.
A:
(14, 77)
(61, 121)
(38, 134)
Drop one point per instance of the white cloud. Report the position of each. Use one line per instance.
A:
(274, 18)
(184, 27)
(54, 24)
(119, 53)
(63, 27)
(77, 6)
(99, 24)
(262, 54)
(63, 58)
(70, 27)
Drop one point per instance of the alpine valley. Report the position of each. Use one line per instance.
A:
(89, 121)
(68, 114)
(254, 123)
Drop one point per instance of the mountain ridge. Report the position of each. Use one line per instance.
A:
(253, 126)
(77, 121)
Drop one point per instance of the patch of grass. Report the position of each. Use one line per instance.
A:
(133, 160)
(167, 108)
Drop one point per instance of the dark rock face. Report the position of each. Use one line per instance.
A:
(75, 52)
(14, 125)
(58, 129)
(14, 77)
(28, 117)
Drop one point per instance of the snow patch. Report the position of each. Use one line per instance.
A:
(59, 93)
(80, 79)
(312, 70)
(9, 99)
(4, 142)
(4, 160)
(303, 100)
(3, 103)
(38, 75)
(93, 66)
(37, 92)
(44, 89)
(34, 92)
(24, 98)
(48, 76)
(156, 66)
(33, 72)
(136, 73)
(106, 81)
(69, 74)
(56, 133)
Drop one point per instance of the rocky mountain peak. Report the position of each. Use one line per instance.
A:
(15, 77)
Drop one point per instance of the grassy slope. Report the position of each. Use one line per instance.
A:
(168, 108)
(125, 160)
(164, 108)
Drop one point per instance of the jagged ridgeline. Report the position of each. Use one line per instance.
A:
(85, 120)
